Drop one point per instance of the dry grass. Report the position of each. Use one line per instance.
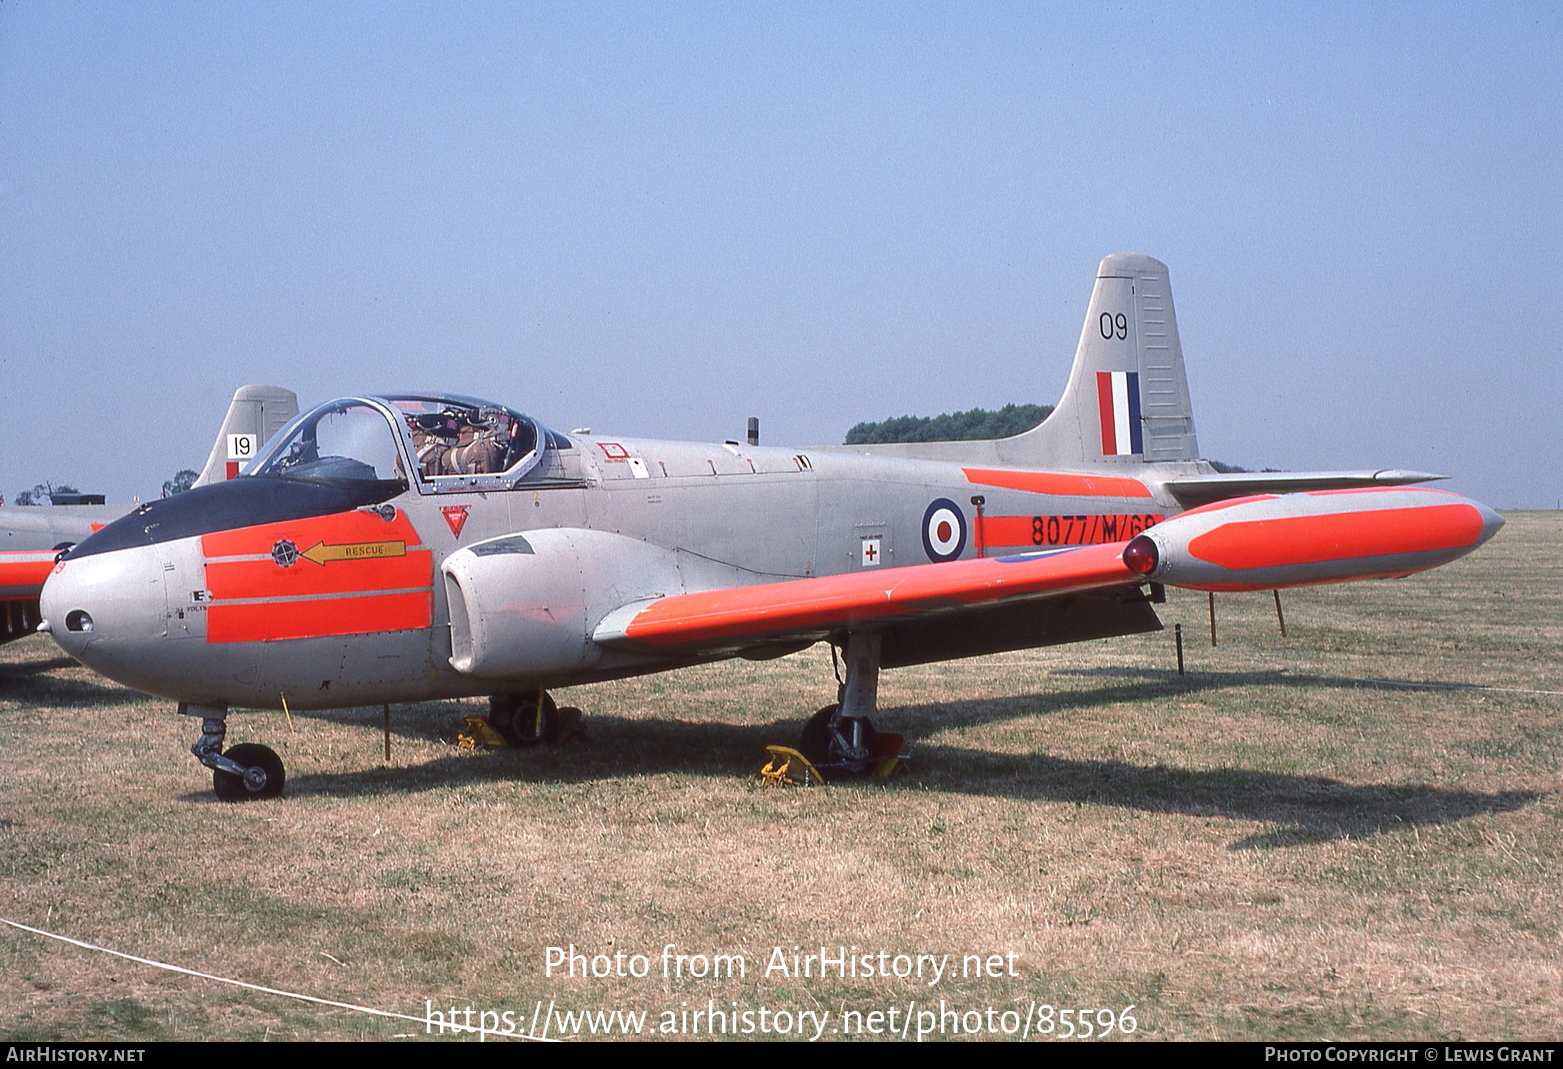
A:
(1350, 833)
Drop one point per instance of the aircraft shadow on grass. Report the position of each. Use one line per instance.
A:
(1268, 676)
(36, 683)
(1298, 809)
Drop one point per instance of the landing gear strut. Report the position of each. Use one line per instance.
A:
(840, 740)
(245, 773)
(529, 719)
(523, 719)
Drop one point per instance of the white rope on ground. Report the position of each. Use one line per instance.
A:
(252, 987)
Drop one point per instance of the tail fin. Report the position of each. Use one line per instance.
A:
(1127, 401)
(257, 412)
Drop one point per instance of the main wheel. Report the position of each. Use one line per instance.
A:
(264, 780)
(521, 721)
(823, 750)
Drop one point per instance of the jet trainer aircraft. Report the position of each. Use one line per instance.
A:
(32, 537)
(404, 547)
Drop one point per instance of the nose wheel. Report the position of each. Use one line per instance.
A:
(263, 775)
(247, 772)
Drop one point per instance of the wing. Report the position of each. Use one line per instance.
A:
(1256, 543)
(807, 608)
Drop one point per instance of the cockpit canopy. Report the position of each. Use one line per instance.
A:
(460, 437)
(438, 442)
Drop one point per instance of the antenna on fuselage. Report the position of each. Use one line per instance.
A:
(754, 430)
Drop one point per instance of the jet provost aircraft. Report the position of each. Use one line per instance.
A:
(405, 547)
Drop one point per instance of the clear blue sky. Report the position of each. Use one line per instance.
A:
(659, 219)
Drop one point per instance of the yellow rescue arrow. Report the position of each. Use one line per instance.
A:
(319, 553)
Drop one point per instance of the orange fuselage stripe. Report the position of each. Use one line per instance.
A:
(337, 529)
(1293, 540)
(1011, 531)
(808, 603)
(316, 619)
(25, 572)
(267, 579)
(1044, 482)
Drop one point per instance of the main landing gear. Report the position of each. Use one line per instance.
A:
(247, 772)
(522, 720)
(840, 741)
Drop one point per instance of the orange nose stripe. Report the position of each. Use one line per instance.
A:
(271, 621)
(265, 579)
(341, 527)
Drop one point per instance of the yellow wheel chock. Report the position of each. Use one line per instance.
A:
(480, 733)
(789, 768)
(890, 755)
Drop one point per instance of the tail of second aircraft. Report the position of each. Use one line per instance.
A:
(256, 413)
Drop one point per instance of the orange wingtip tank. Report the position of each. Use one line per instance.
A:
(22, 572)
(1268, 542)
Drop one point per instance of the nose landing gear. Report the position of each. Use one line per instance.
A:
(247, 772)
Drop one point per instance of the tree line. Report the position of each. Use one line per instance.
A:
(45, 492)
(972, 425)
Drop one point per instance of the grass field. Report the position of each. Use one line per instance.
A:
(1352, 832)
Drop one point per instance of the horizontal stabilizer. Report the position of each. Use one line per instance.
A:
(1193, 490)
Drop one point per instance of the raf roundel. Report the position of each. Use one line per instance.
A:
(944, 530)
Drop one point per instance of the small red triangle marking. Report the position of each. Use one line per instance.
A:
(456, 516)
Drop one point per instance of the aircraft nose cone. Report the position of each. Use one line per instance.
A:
(105, 607)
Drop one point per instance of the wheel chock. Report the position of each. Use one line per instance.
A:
(789, 768)
(890, 755)
(568, 719)
(480, 733)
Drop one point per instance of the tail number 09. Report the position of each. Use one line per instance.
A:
(1113, 326)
